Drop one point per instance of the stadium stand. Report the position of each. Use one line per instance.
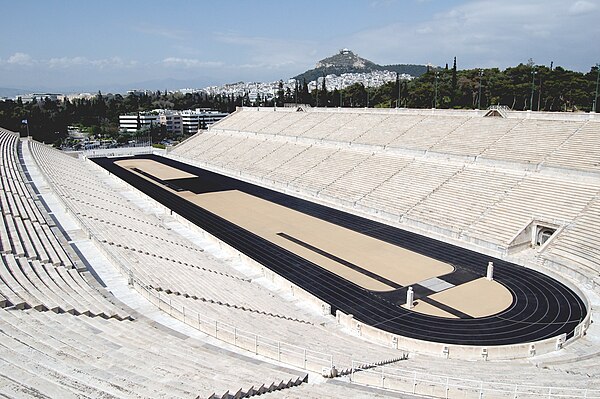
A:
(436, 128)
(460, 202)
(577, 245)
(388, 130)
(581, 151)
(355, 128)
(531, 141)
(62, 335)
(481, 133)
(296, 166)
(308, 122)
(536, 195)
(276, 155)
(404, 190)
(45, 354)
(449, 175)
(282, 123)
(331, 169)
(364, 177)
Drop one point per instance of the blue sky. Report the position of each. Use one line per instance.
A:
(69, 44)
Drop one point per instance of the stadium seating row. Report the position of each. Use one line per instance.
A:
(552, 143)
(62, 337)
(45, 354)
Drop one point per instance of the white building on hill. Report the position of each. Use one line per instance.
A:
(133, 122)
(199, 119)
(176, 122)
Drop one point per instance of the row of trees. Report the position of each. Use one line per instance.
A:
(525, 86)
(48, 120)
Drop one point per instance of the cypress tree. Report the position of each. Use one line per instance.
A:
(323, 92)
(397, 89)
(454, 80)
(305, 94)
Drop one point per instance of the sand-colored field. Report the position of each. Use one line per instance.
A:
(162, 171)
(477, 298)
(267, 219)
(394, 264)
(425, 308)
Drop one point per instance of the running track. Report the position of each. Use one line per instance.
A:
(542, 307)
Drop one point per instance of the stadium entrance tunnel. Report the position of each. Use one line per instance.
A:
(456, 306)
(536, 234)
(543, 235)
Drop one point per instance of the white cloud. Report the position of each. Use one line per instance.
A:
(382, 3)
(79, 61)
(256, 52)
(173, 34)
(67, 62)
(582, 7)
(424, 30)
(21, 59)
(267, 65)
(189, 63)
(487, 33)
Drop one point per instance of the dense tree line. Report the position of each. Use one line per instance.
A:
(48, 120)
(523, 87)
(551, 89)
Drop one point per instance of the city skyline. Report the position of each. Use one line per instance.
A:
(69, 45)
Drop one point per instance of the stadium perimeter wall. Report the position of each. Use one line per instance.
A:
(463, 352)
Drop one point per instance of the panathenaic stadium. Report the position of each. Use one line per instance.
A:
(308, 253)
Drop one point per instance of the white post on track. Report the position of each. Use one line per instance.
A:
(410, 297)
(490, 271)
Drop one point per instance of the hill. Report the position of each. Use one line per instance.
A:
(348, 62)
(10, 92)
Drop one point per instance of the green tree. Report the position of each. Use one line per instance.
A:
(454, 80)
(280, 94)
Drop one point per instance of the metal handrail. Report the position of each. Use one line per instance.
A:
(420, 383)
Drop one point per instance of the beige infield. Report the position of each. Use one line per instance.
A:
(477, 298)
(395, 265)
(156, 169)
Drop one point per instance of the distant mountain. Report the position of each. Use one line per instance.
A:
(157, 84)
(11, 93)
(346, 59)
(347, 62)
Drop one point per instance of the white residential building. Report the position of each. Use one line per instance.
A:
(172, 120)
(176, 122)
(27, 98)
(134, 122)
(194, 120)
(268, 90)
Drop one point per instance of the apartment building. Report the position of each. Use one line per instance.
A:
(176, 122)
